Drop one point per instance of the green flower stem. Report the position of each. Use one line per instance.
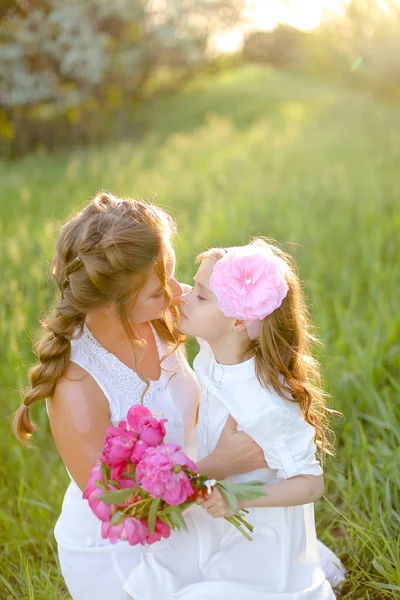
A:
(237, 525)
(245, 523)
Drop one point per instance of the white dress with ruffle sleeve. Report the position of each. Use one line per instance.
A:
(213, 560)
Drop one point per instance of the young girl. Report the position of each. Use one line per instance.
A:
(254, 364)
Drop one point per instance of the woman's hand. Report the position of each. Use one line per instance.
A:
(215, 504)
(235, 453)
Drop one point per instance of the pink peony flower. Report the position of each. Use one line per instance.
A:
(249, 282)
(161, 530)
(152, 431)
(101, 510)
(138, 451)
(160, 472)
(118, 445)
(95, 475)
(117, 472)
(130, 529)
(135, 414)
(92, 492)
(148, 429)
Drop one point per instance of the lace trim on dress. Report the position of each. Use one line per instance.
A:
(123, 379)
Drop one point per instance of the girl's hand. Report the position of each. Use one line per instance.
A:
(215, 504)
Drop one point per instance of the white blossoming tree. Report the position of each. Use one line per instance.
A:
(55, 56)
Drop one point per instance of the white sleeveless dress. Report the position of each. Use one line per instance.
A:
(93, 568)
(213, 560)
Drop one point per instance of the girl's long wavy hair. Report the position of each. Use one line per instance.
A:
(103, 256)
(284, 351)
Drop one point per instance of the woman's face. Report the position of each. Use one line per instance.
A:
(200, 313)
(151, 301)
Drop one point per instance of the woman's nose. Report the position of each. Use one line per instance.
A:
(186, 289)
(177, 292)
(176, 288)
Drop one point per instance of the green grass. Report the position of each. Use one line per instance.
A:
(247, 152)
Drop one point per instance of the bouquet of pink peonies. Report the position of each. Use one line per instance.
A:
(141, 486)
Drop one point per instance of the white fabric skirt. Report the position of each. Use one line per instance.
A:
(213, 561)
(92, 573)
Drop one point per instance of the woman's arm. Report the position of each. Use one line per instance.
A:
(235, 453)
(79, 415)
(302, 489)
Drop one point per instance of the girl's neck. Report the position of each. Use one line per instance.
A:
(231, 350)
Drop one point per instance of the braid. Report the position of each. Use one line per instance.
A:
(53, 351)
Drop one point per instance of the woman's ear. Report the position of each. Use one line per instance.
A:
(239, 325)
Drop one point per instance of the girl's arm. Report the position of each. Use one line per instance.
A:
(302, 489)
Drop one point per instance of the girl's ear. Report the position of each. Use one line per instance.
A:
(239, 325)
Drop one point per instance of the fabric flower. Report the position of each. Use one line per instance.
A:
(161, 530)
(130, 529)
(249, 282)
(160, 472)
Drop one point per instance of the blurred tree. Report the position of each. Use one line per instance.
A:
(360, 47)
(370, 41)
(57, 56)
(279, 47)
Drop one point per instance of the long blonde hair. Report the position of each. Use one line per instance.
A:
(284, 351)
(103, 256)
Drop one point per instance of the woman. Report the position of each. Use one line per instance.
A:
(110, 342)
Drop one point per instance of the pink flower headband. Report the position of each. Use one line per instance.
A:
(249, 283)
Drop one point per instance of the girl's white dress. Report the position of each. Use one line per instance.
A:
(213, 560)
(92, 567)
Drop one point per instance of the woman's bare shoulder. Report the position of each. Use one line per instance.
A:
(77, 387)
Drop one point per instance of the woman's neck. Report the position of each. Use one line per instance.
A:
(110, 331)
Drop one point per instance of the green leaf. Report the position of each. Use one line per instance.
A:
(229, 497)
(114, 483)
(153, 514)
(117, 518)
(117, 496)
(249, 490)
(165, 518)
(176, 517)
(100, 484)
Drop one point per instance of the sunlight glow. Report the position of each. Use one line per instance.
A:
(266, 14)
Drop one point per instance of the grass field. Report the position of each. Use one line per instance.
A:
(248, 152)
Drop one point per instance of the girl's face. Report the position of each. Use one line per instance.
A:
(200, 313)
(151, 302)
